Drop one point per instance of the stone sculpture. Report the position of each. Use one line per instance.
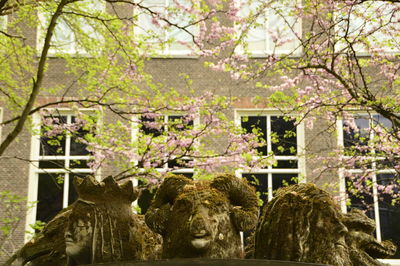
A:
(303, 223)
(99, 227)
(363, 246)
(203, 218)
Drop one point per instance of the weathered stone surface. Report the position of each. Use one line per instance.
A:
(303, 223)
(202, 218)
(364, 248)
(99, 227)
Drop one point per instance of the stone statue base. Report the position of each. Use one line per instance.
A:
(209, 262)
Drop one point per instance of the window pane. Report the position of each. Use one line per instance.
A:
(382, 121)
(149, 126)
(356, 136)
(52, 164)
(389, 210)
(78, 164)
(282, 26)
(283, 180)
(63, 36)
(260, 182)
(178, 122)
(259, 124)
(181, 39)
(370, 24)
(55, 143)
(78, 148)
(256, 36)
(359, 195)
(179, 163)
(50, 196)
(149, 28)
(284, 140)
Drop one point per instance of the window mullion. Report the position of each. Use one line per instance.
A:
(269, 149)
(67, 163)
(342, 181)
(270, 196)
(267, 15)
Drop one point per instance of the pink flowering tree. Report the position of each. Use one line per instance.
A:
(336, 64)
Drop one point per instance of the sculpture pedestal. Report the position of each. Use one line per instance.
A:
(209, 262)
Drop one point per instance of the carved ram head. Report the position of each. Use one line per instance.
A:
(203, 218)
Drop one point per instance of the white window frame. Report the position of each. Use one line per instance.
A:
(167, 51)
(300, 157)
(268, 44)
(360, 50)
(3, 22)
(374, 172)
(34, 169)
(1, 120)
(75, 50)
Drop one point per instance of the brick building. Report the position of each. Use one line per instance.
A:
(30, 166)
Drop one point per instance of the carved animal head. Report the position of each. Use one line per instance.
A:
(302, 223)
(364, 248)
(202, 218)
(101, 226)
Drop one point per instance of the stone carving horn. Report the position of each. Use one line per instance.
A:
(203, 218)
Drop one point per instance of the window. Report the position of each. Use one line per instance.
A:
(3, 23)
(162, 129)
(276, 29)
(285, 141)
(167, 40)
(65, 39)
(363, 183)
(378, 20)
(57, 156)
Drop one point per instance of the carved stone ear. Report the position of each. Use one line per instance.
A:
(242, 197)
(157, 214)
(129, 191)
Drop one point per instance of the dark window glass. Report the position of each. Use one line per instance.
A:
(358, 137)
(282, 180)
(51, 164)
(286, 164)
(362, 200)
(179, 163)
(50, 196)
(283, 138)
(177, 122)
(382, 121)
(259, 123)
(77, 147)
(148, 126)
(78, 164)
(260, 182)
(54, 145)
(389, 212)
